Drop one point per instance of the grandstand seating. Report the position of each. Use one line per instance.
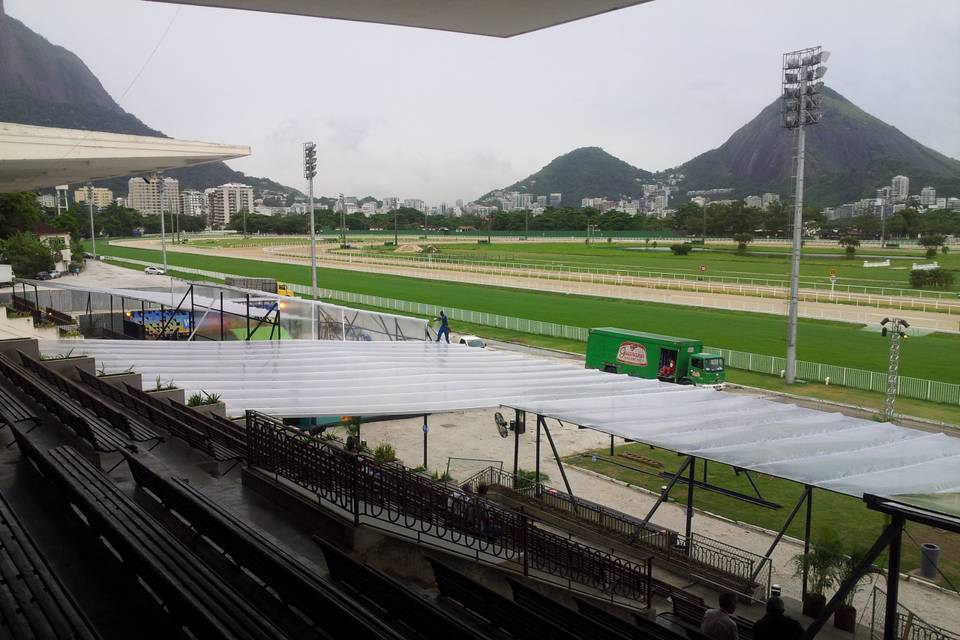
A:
(498, 611)
(394, 600)
(196, 596)
(33, 603)
(84, 423)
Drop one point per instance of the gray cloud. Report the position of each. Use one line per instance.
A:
(440, 116)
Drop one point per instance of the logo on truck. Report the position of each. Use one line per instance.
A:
(632, 353)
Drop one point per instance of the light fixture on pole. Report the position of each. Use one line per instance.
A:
(93, 236)
(310, 172)
(158, 184)
(894, 328)
(343, 222)
(801, 86)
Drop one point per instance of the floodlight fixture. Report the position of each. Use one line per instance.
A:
(310, 172)
(800, 88)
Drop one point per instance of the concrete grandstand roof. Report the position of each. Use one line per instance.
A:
(34, 157)
(501, 18)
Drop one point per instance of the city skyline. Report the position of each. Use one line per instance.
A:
(448, 116)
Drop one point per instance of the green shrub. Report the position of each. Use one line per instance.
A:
(939, 278)
(527, 478)
(441, 477)
(680, 249)
(202, 398)
(384, 452)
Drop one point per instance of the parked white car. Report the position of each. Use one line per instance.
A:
(473, 341)
(154, 271)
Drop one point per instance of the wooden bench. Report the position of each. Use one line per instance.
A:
(228, 440)
(194, 596)
(395, 601)
(133, 429)
(59, 317)
(199, 438)
(82, 422)
(571, 619)
(644, 629)
(688, 611)
(494, 608)
(294, 584)
(33, 602)
(12, 407)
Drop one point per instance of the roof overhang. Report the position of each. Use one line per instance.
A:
(37, 157)
(500, 18)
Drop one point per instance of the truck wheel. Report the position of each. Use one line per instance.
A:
(685, 381)
(610, 369)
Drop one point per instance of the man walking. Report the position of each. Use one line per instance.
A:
(444, 329)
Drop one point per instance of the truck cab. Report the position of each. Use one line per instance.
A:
(284, 290)
(654, 356)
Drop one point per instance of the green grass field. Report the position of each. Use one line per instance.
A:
(759, 262)
(931, 356)
(845, 515)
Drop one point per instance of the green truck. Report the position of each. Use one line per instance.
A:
(649, 355)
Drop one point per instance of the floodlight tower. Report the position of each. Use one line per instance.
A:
(801, 92)
(93, 235)
(894, 328)
(343, 222)
(310, 172)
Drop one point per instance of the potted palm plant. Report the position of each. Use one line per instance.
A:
(821, 566)
(845, 617)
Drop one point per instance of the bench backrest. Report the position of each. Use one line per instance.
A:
(569, 618)
(688, 607)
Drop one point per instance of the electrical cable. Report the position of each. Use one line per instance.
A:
(143, 67)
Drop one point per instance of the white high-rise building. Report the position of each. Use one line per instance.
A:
(555, 199)
(901, 188)
(46, 200)
(369, 208)
(390, 203)
(769, 198)
(753, 201)
(193, 203)
(226, 201)
(102, 197)
(928, 196)
(144, 195)
(414, 203)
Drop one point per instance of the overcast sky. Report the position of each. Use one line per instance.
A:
(441, 116)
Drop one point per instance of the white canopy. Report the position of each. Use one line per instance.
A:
(311, 378)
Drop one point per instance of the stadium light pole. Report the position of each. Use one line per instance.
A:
(343, 222)
(158, 179)
(801, 87)
(93, 236)
(310, 172)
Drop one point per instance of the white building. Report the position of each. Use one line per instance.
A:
(46, 200)
(369, 208)
(928, 196)
(390, 203)
(953, 204)
(144, 195)
(900, 186)
(769, 198)
(193, 203)
(414, 203)
(226, 201)
(753, 201)
(555, 199)
(101, 196)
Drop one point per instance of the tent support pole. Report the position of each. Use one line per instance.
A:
(221, 316)
(693, 465)
(516, 444)
(426, 428)
(537, 481)
(806, 538)
(612, 452)
(891, 536)
(665, 493)
(556, 455)
(783, 530)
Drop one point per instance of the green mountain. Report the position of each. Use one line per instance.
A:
(587, 172)
(46, 85)
(849, 154)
